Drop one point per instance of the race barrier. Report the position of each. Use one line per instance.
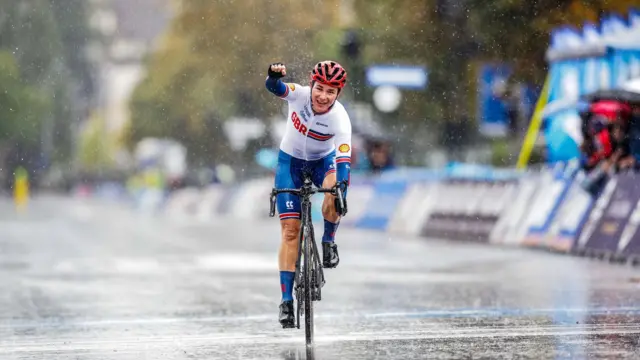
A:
(552, 190)
(612, 227)
(571, 216)
(546, 209)
(467, 209)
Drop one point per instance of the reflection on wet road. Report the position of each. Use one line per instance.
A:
(95, 281)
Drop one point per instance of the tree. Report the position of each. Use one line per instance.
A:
(450, 36)
(519, 30)
(407, 33)
(47, 40)
(212, 65)
(212, 62)
(94, 146)
(21, 107)
(75, 34)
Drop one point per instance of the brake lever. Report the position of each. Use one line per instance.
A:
(272, 200)
(341, 203)
(345, 209)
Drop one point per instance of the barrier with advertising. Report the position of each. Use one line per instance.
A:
(512, 224)
(594, 217)
(571, 216)
(545, 209)
(381, 207)
(629, 244)
(612, 217)
(414, 208)
(553, 188)
(467, 209)
(358, 199)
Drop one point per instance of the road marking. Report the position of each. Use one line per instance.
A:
(128, 341)
(455, 313)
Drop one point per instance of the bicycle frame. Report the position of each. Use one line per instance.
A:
(306, 220)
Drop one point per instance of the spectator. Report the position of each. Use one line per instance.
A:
(605, 130)
(606, 147)
(379, 154)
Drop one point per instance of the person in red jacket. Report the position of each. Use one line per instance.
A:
(606, 142)
(605, 131)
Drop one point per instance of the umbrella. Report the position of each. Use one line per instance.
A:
(617, 94)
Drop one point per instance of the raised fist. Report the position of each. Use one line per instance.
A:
(277, 70)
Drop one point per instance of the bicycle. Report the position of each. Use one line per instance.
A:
(309, 277)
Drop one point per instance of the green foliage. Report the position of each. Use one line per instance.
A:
(212, 63)
(94, 147)
(49, 75)
(500, 154)
(21, 107)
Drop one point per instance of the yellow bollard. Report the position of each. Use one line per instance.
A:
(21, 189)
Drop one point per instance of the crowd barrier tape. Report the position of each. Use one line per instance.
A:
(546, 209)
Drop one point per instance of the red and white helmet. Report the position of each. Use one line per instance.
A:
(329, 73)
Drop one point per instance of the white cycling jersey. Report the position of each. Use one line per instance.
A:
(310, 136)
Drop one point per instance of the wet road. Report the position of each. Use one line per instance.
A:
(81, 280)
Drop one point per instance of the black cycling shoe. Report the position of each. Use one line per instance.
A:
(330, 258)
(286, 317)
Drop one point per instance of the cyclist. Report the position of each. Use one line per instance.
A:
(317, 140)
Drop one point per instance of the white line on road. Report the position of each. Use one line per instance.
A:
(239, 339)
(461, 313)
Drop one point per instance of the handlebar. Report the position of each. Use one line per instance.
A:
(335, 190)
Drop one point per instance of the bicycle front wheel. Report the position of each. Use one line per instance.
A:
(308, 285)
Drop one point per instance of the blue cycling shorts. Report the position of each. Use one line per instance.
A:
(289, 173)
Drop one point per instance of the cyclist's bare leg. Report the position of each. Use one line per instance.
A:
(328, 205)
(289, 245)
(287, 263)
(330, 257)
